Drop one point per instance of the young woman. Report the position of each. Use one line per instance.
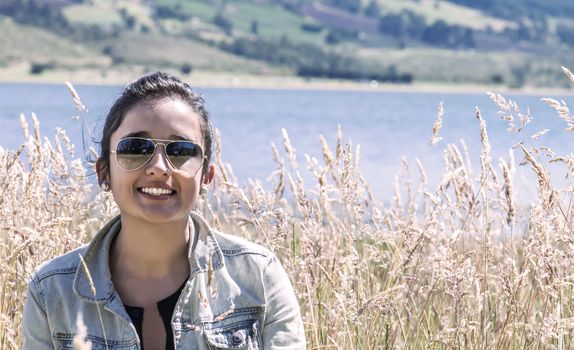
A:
(157, 276)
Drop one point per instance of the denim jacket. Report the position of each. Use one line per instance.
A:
(237, 297)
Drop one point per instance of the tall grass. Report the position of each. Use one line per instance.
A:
(459, 265)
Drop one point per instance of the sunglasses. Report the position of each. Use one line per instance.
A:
(132, 153)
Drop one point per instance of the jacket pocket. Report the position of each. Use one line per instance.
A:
(66, 341)
(239, 330)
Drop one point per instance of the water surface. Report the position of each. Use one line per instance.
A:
(387, 125)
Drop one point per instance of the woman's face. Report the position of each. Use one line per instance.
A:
(156, 192)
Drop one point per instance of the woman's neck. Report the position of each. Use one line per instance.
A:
(141, 250)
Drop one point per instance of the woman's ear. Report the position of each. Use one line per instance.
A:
(102, 171)
(208, 177)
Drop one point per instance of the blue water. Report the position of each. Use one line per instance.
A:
(387, 125)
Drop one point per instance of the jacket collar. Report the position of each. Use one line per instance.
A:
(93, 281)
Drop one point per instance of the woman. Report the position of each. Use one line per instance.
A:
(157, 276)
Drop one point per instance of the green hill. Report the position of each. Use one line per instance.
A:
(508, 42)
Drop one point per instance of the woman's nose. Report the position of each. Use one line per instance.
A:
(159, 163)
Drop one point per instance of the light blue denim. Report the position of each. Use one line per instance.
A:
(243, 301)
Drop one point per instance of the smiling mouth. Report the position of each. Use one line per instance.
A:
(154, 191)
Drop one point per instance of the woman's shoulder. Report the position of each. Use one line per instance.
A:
(233, 245)
(229, 244)
(92, 252)
(61, 265)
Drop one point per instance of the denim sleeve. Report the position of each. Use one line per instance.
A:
(35, 328)
(283, 323)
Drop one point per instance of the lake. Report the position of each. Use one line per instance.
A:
(387, 125)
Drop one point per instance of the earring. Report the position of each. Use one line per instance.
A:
(203, 190)
(105, 186)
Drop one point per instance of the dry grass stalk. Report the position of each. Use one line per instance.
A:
(221, 167)
(280, 172)
(537, 135)
(508, 193)
(542, 175)
(563, 111)
(289, 149)
(485, 156)
(437, 126)
(509, 111)
(568, 73)
(568, 161)
(80, 107)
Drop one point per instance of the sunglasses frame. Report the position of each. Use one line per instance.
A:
(157, 142)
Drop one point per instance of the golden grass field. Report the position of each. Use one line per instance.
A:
(456, 266)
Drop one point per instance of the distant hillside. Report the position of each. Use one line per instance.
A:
(504, 42)
(518, 9)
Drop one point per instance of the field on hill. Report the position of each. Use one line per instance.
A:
(159, 51)
(29, 44)
(425, 41)
(451, 13)
(439, 65)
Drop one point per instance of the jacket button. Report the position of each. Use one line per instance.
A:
(237, 338)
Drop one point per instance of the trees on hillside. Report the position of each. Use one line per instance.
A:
(35, 12)
(309, 60)
(566, 34)
(442, 34)
(350, 5)
(408, 25)
(515, 10)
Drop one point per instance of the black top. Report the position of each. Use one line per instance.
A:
(165, 307)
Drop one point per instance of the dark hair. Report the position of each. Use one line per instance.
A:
(154, 87)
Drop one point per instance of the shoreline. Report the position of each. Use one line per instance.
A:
(226, 80)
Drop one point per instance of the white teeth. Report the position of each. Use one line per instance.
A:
(155, 191)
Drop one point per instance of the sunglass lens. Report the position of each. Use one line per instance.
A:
(180, 152)
(134, 152)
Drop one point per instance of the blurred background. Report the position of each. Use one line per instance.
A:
(377, 68)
